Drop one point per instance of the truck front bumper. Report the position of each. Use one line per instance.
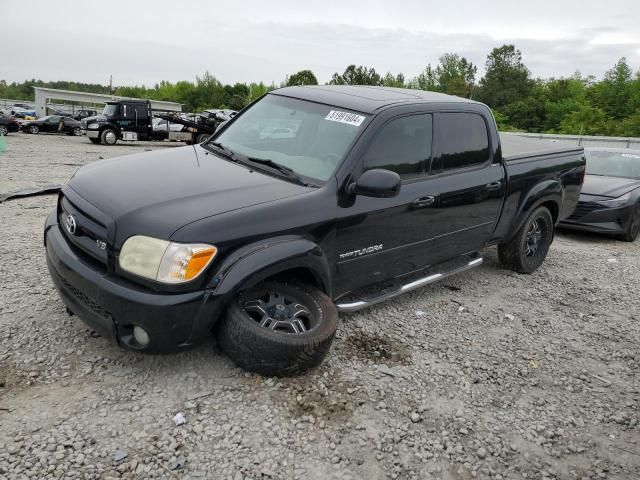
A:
(91, 133)
(113, 307)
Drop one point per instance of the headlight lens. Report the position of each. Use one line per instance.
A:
(163, 261)
(616, 202)
(93, 126)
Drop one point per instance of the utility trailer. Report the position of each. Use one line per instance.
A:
(200, 130)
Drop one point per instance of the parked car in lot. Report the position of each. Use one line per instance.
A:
(8, 125)
(161, 124)
(80, 114)
(53, 124)
(610, 199)
(263, 240)
(22, 112)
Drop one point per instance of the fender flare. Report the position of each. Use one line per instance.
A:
(255, 262)
(543, 192)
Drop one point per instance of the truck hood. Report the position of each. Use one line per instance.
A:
(608, 186)
(156, 193)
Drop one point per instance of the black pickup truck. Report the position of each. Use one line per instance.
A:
(262, 238)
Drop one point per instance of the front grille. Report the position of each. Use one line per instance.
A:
(85, 300)
(89, 231)
(582, 209)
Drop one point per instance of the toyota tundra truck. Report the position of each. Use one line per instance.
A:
(262, 239)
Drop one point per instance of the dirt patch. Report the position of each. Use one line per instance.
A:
(330, 400)
(13, 376)
(376, 348)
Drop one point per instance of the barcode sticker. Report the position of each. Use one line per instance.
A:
(345, 117)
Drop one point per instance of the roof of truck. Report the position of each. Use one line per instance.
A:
(364, 98)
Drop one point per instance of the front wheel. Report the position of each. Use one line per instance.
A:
(633, 228)
(34, 129)
(3, 130)
(109, 137)
(526, 251)
(277, 328)
(76, 132)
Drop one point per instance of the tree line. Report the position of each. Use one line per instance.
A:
(573, 105)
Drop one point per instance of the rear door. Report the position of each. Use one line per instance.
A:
(469, 183)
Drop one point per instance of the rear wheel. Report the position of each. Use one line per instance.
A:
(34, 129)
(633, 228)
(4, 130)
(526, 251)
(277, 328)
(109, 137)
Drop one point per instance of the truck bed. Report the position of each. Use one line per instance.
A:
(521, 148)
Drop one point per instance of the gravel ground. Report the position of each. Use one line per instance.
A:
(489, 374)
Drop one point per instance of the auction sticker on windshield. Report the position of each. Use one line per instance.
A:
(345, 117)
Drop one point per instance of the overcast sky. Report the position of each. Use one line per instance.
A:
(142, 42)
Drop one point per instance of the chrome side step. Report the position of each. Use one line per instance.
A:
(367, 302)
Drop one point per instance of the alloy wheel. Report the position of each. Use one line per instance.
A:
(534, 237)
(281, 313)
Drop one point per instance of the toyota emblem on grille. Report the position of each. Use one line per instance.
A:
(71, 224)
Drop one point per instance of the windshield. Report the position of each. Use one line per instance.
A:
(309, 138)
(110, 110)
(614, 164)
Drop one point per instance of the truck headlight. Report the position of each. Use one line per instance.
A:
(93, 126)
(163, 261)
(616, 202)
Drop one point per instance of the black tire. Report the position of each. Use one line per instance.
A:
(109, 136)
(34, 129)
(202, 137)
(94, 140)
(3, 130)
(76, 132)
(633, 228)
(526, 251)
(271, 350)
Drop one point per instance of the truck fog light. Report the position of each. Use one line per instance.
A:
(141, 336)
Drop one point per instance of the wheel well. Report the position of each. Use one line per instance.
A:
(553, 208)
(301, 274)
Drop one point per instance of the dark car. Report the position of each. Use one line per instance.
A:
(53, 124)
(263, 240)
(8, 124)
(610, 199)
(80, 114)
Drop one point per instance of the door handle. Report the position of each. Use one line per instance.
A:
(425, 201)
(494, 185)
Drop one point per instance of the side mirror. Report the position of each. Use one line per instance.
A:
(378, 183)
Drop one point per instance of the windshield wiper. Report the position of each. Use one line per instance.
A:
(220, 148)
(286, 171)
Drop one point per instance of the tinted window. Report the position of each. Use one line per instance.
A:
(402, 146)
(464, 140)
(142, 110)
(614, 164)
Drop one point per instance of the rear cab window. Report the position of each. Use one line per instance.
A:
(463, 141)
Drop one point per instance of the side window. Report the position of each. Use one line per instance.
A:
(402, 146)
(142, 110)
(463, 139)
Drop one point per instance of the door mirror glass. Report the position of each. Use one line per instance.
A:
(378, 183)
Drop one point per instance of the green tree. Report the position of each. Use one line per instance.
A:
(357, 76)
(506, 80)
(391, 80)
(614, 93)
(587, 120)
(303, 77)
